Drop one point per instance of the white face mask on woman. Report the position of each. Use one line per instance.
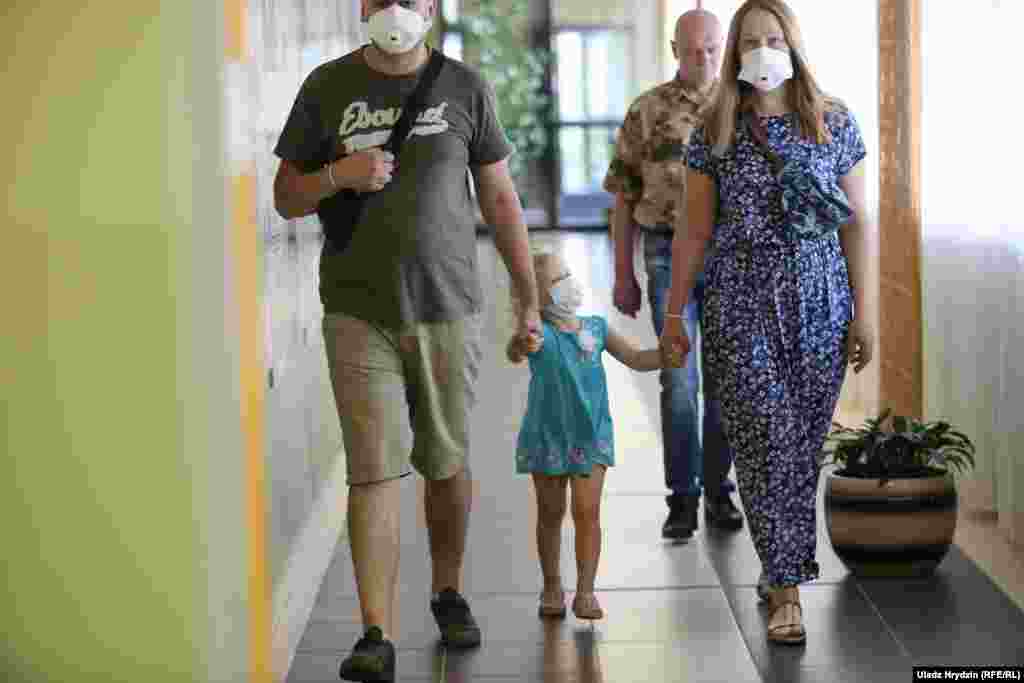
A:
(765, 68)
(566, 298)
(396, 29)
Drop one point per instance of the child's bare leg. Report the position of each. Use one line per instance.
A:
(550, 514)
(586, 514)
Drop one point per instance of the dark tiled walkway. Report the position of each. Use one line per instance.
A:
(674, 613)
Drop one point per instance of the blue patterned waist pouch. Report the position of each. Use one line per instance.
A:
(812, 209)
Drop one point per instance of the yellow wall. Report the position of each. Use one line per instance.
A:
(104, 479)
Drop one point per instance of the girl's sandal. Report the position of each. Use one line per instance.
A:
(789, 630)
(551, 606)
(586, 606)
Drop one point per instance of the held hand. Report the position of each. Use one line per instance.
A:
(529, 331)
(859, 344)
(626, 295)
(515, 351)
(674, 343)
(368, 170)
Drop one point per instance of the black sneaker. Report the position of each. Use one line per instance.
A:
(682, 518)
(372, 659)
(722, 513)
(456, 623)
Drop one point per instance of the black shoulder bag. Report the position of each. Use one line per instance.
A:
(339, 214)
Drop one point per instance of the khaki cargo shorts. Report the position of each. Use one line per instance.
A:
(403, 397)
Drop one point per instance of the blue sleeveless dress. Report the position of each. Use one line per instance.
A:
(567, 428)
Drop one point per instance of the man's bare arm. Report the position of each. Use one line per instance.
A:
(297, 194)
(501, 209)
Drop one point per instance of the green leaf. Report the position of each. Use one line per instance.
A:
(496, 32)
(902, 447)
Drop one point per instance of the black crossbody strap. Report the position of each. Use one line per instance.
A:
(340, 213)
(415, 102)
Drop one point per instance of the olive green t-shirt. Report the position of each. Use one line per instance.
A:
(412, 257)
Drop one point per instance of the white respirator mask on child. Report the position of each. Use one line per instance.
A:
(766, 69)
(396, 29)
(566, 298)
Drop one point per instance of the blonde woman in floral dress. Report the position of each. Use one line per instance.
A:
(776, 217)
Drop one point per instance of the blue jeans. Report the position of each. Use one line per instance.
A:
(692, 463)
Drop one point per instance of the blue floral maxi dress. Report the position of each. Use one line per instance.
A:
(776, 316)
(567, 428)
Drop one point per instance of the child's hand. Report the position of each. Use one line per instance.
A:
(674, 343)
(529, 330)
(532, 342)
(520, 347)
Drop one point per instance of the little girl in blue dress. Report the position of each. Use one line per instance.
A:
(566, 436)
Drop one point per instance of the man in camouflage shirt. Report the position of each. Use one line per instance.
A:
(647, 177)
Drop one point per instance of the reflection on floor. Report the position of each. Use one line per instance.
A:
(674, 612)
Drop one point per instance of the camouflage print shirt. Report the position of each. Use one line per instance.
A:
(649, 167)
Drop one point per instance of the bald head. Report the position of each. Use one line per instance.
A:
(698, 47)
(696, 22)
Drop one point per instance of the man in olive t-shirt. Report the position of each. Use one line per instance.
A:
(402, 299)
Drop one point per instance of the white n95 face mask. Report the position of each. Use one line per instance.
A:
(566, 298)
(396, 29)
(567, 293)
(766, 69)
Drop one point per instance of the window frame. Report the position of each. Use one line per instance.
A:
(597, 198)
(598, 201)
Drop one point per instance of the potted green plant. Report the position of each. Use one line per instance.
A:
(891, 502)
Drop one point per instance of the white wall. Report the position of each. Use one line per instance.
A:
(973, 243)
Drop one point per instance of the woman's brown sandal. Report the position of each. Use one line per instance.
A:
(586, 606)
(551, 606)
(785, 603)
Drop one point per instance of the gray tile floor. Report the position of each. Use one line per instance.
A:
(674, 612)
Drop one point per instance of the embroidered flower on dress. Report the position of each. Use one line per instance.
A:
(587, 340)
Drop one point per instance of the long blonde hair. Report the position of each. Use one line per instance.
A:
(732, 98)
